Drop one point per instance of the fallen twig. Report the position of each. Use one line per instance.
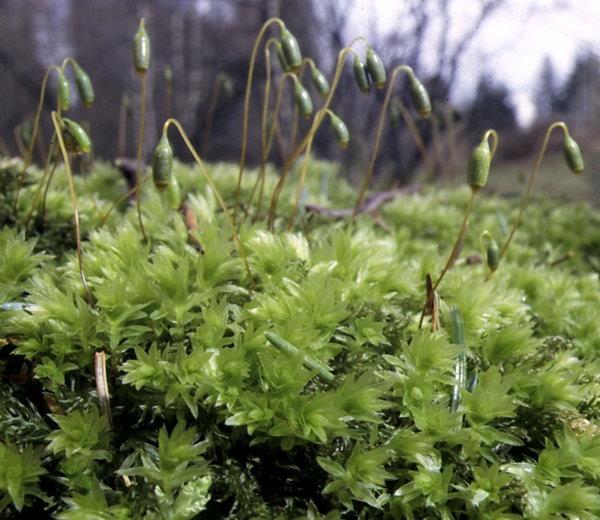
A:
(369, 206)
(564, 258)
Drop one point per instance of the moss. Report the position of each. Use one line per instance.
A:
(207, 415)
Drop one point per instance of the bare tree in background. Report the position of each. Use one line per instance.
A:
(198, 39)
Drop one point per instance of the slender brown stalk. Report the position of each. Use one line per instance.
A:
(303, 176)
(138, 173)
(381, 122)
(41, 184)
(316, 123)
(267, 142)
(532, 177)
(296, 116)
(461, 233)
(265, 148)
(63, 149)
(463, 228)
(269, 135)
(263, 127)
(414, 131)
(36, 123)
(458, 242)
(215, 190)
(245, 118)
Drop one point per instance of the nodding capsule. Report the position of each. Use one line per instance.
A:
(75, 137)
(479, 165)
(285, 66)
(376, 69)
(419, 96)
(291, 50)
(64, 91)
(573, 154)
(492, 251)
(493, 255)
(360, 75)
(320, 81)
(84, 85)
(303, 99)
(162, 164)
(340, 130)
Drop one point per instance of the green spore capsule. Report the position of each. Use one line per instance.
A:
(340, 130)
(141, 49)
(64, 91)
(493, 255)
(360, 75)
(162, 164)
(174, 193)
(75, 137)
(303, 99)
(84, 85)
(419, 96)
(320, 82)
(573, 154)
(291, 50)
(281, 58)
(492, 251)
(376, 69)
(479, 165)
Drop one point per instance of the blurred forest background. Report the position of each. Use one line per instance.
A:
(196, 42)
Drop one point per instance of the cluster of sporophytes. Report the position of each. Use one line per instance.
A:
(295, 374)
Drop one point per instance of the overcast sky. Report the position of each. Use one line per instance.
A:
(511, 45)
